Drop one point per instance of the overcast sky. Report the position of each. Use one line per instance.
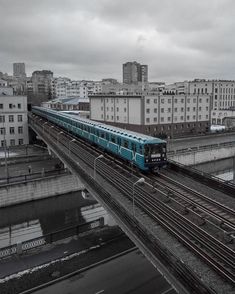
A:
(91, 39)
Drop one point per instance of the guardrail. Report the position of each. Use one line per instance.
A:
(210, 180)
(200, 148)
(20, 248)
(32, 176)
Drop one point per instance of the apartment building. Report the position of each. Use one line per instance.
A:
(222, 91)
(13, 120)
(154, 114)
(134, 72)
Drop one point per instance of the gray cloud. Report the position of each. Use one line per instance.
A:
(91, 39)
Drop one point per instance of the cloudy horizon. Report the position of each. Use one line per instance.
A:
(179, 40)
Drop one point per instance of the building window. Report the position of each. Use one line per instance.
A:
(200, 109)
(148, 110)
(162, 101)
(162, 119)
(1, 106)
(182, 118)
(182, 100)
(162, 110)
(20, 130)
(117, 117)
(155, 110)
(12, 130)
(155, 100)
(102, 108)
(169, 109)
(182, 109)
(169, 100)
(199, 117)
(147, 120)
(188, 108)
(176, 100)
(169, 118)
(10, 105)
(124, 109)
(194, 117)
(2, 131)
(2, 118)
(20, 118)
(155, 119)
(11, 118)
(194, 108)
(188, 117)
(19, 105)
(21, 141)
(3, 143)
(12, 142)
(148, 101)
(188, 100)
(175, 110)
(194, 100)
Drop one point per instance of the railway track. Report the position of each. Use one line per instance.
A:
(209, 248)
(207, 208)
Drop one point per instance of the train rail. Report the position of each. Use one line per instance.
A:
(209, 248)
(190, 198)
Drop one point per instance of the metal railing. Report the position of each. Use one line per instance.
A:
(77, 229)
(190, 150)
(31, 176)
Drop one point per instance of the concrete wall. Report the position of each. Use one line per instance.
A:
(43, 188)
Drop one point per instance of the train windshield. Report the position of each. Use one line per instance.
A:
(154, 149)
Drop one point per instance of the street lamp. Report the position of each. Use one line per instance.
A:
(99, 157)
(51, 127)
(140, 181)
(73, 140)
(58, 136)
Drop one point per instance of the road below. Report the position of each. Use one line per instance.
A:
(131, 273)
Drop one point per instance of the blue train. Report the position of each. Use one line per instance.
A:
(145, 152)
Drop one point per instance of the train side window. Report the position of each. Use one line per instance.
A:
(102, 135)
(97, 133)
(119, 141)
(107, 136)
(125, 143)
(141, 149)
(113, 139)
(133, 147)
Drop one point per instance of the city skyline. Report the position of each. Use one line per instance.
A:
(92, 40)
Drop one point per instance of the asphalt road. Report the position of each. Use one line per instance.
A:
(131, 274)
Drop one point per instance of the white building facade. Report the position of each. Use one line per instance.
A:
(66, 88)
(13, 121)
(153, 114)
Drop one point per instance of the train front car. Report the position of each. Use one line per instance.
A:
(155, 155)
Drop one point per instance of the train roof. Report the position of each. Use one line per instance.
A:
(115, 130)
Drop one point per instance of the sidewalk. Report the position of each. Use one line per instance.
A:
(51, 252)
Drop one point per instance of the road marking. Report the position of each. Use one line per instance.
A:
(101, 291)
